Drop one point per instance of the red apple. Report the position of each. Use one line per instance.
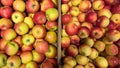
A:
(46, 65)
(51, 25)
(111, 26)
(91, 17)
(115, 8)
(65, 1)
(26, 48)
(47, 4)
(65, 42)
(39, 18)
(32, 6)
(7, 2)
(75, 39)
(6, 11)
(53, 61)
(81, 17)
(66, 18)
(18, 40)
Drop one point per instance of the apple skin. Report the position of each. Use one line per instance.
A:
(109, 2)
(41, 46)
(26, 48)
(29, 21)
(49, 3)
(65, 1)
(91, 17)
(66, 18)
(65, 42)
(65, 8)
(25, 54)
(115, 9)
(81, 17)
(66, 66)
(31, 65)
(51, 14)
(53, 61)
(99, 45)
(50, 25)
(75, 40)
(18, 40)
(69, 60)
(82, 60)
(32, 6)
(89, 65)
(72, 50)
(89, 41)
(46, 65)
(13, 62)
(37, 57)
(49, 35)
(79, 66)
(6, 11)
(3, 59)
(88, 25)
(3, 44)
(5, 23)
(17, 17)
(39, 18)
(94, 54)
(19, 5)
(115, 18)
(39, 31)
(71, 29)
(98, 5)
(7, 2)
(8, 34)
(74, 11)
(23, 66)
(75, 2)
(101, 62)
(111, 26)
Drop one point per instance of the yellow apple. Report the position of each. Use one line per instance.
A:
(29, 21)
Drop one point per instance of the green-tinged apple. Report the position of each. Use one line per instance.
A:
(26, 57)
(81, 17)
(89, 65)
(17, 17)
(74, 11)
(75, 2)
(89, 41)
(52, 14)
(32, 65)
(70, 60)
(21, 28)
(65, 42)
(26, 48)
(99, 45)
(19, 5)
(28, 39)
(101, 62)
(11, 48)
(65, 8)
(3, 44)
(79, 66)
(82, 60)
(51, 37)
(115, 18)
(52, 52)
(3, 59)
(85, 50)
(8, 34)
(7, 2)
(37, 57)
(5, 23)
(94, 54)
(39, 31)
(13, 62)
(98, 4)
(29, 22)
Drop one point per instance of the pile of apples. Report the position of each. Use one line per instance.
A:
(90, 33)
(28, 33)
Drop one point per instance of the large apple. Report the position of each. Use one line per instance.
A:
(7, 2)
(3, 59)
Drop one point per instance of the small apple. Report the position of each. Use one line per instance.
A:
(65, 42)
(99, 45)
(3, 44)
(75, 39)
(39, 31)
(65, 8)
(32, 6)
(89, 41)
(94, 54)
(8, 34)
(29, 22)
(25, 54)
(7, 2)
(51, 14)
(74, 11)
(98, 4)
(82, 60)
(19, 5)
(66, 18)
(81, 17)
(50, 25)
(17, 17)
(6, 11)
(39, 18)
(13, 62)
(3, 59)
(26, 48)
(31, 65)
(91, 17)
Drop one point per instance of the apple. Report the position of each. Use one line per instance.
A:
(31, 65)
(46, 65)
(65, 8)
(75, 2)
(6, 11)
(85, 50)
(29, 22)
(70, 60)
(89, 65)
(19, 5)
(111, 26)
(23, 66)
(82, 60)
(94, 54)
(26, 48)
(50, 25)
(66, 18)
(51, 14)
(46, 4)
(32, 6)
(28, 39)
(88, 25)
(64, 33)
(81, 17)
(115, 18)
(3, 44)
(66, 66)
(74, 39)
(52, 52)
(71, 29)
(99, 45)
(25, 54)
(41, 46)
(7, 2)
(91, 17)
(18, 40)
(65, 1)
(74, 11)
(115, 9)
(8, 34)
(65, 42)
(98, 4)
(49, 35)
(72, 50)
(83, 32)
(39, 18)
(89, 41)
(39, 31)
(84, 6)
(53, 61)
(110, 2)
(101, 62)
(17, 17)
(3, 59)
(37, 57)
(79, 66)
(13, 62)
